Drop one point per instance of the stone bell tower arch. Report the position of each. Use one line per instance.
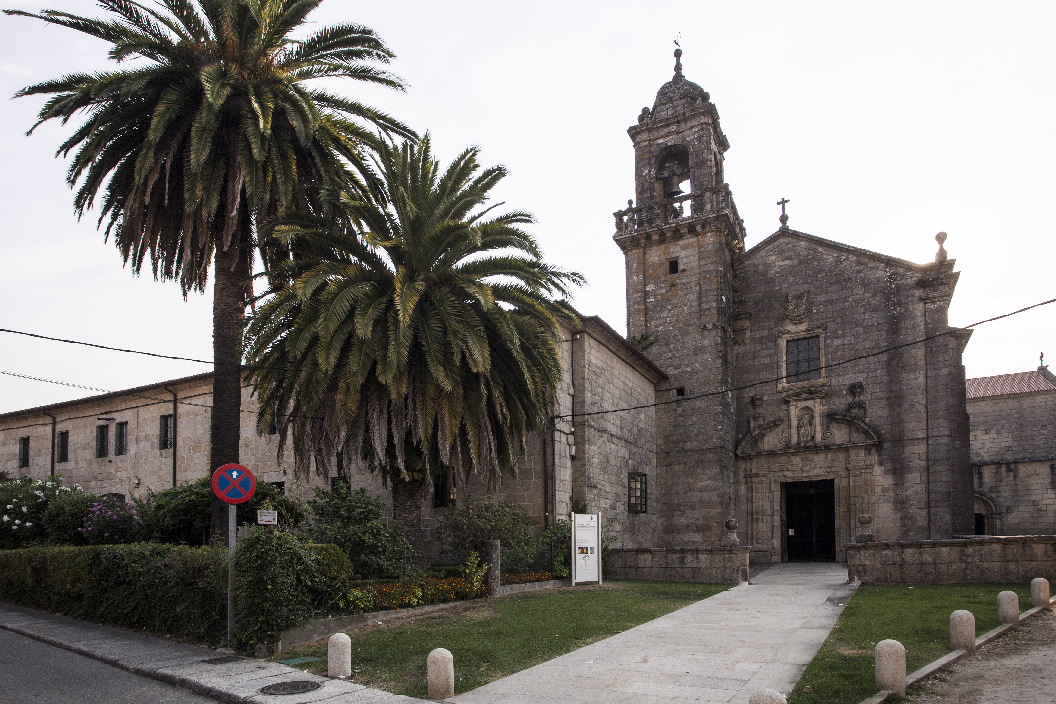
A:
(679, 239)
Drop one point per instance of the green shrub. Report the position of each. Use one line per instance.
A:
(277, 585)
(64, 517)
(181, 514)
(111, 521)
(166, 589)
(555, 549)
(352, 520)
(23, 503)
(468, 528)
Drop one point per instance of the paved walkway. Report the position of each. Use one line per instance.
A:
(752, 637)
(722, 649)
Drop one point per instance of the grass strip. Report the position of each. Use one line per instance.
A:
(918, 617)
(494, 638)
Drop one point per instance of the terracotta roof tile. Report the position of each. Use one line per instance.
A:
(1018, 383)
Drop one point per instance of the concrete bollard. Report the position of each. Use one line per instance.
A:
(493, 556)
(767, 696)
(962, 631)
(1008, 608)
(339, 656)
(1039, 592)
(440, 669)
(891, 666)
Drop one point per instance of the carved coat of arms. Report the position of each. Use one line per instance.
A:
(798, 306)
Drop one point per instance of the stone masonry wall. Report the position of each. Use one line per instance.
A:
(968, 561)
(795, 285)
(1013, 452)
(718, 565)
(609, 445)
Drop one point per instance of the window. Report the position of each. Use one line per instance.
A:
(281, 486)
(444, 490)
(23, 453)
(167, 432)
(63, 450)
(672, 266)
(102, 441)
(802, 359)
(637, 492)
(121, 438)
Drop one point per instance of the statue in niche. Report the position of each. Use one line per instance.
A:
(805, 426)
(856, 406)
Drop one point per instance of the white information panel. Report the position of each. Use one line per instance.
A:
(586, 547)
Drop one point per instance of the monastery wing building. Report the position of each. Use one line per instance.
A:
(772, 404)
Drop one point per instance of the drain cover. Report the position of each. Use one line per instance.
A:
(222, 660)
(291, 687)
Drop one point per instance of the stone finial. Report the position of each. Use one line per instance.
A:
(678, 62)
(784, 216)
(962, 631)
(891, 666)
(1008, 608)
(1039, 592)
(941, 255)
(339, 656)
(440, 672)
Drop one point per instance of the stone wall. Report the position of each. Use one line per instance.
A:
(717, 565)
(1013, 453)
(609, 375)
(989, 560)
(890, 430)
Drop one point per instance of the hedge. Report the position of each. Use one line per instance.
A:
(181, 591)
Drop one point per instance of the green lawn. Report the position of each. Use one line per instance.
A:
(494, 638)
(918, 617)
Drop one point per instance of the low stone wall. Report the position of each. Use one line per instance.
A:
(981, 560)
(718, 565)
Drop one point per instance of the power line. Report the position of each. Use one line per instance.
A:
(104, 347)
(869, 355)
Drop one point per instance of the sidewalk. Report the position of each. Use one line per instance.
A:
(752, 637)
(722, 649)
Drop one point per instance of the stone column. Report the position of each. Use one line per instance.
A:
(891, 666)
(1008, 608)
(1039, 592)
(339, 656)
(962, 631)
(493, 556)
(440, 671)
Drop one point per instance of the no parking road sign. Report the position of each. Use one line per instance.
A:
(234, 484)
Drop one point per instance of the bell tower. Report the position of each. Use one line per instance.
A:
(679, 239)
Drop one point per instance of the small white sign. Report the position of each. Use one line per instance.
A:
(586, 547)
(267, 518)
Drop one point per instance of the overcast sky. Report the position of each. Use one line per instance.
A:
(882, 123)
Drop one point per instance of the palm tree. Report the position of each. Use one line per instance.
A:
(423, 338)
(208, 131)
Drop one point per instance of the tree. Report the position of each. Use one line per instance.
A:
(423, 338)
(209, 131)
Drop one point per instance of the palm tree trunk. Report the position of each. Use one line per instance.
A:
(407, 497)
(229, 311)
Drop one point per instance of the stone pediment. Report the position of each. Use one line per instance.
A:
(782, 435)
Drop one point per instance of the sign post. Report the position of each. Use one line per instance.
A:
(586, 548)
(232, 484)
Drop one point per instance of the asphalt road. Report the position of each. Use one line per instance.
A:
(32, 672)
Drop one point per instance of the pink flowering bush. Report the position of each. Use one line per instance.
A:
(111, 521)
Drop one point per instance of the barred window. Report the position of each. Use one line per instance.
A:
(62, 452)
(102, 441)
(121, 438)
(803, 359)
(23, 452)
(167, 432)
(637, 492)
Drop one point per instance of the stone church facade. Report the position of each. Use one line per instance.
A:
(783, 401)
